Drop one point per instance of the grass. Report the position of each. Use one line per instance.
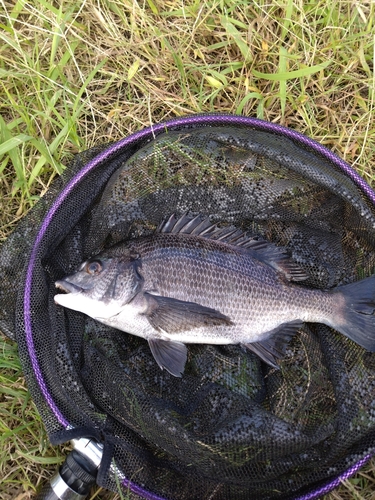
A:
(74, 74)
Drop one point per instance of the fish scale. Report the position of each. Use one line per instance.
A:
(233, 283)
(193, 282)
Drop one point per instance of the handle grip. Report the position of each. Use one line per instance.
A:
(74, 480)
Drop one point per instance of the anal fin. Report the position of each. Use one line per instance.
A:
(272, 349)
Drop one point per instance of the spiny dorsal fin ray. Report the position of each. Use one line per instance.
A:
(266, 252)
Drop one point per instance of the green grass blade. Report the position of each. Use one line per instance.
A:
(246, 99)
(235, 35)
(290, 75)
(283, 64)
(13, 143)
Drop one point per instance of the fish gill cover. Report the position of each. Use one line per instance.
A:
(232, 427)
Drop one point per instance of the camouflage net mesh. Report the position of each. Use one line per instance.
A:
(231, 427)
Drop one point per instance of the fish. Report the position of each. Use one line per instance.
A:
(192, 281)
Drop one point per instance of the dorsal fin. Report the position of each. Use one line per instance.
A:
(266, 252)
(185, 224)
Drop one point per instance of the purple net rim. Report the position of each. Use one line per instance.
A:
(130, 141)
(331, 484)
(315, 493)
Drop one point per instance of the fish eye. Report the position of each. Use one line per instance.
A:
(94, 267)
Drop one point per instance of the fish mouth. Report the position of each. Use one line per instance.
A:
(68, 287)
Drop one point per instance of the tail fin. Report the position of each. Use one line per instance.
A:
(358, 315)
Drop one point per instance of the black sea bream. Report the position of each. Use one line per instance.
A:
(192, 282)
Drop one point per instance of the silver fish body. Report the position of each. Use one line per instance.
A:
(192, 282)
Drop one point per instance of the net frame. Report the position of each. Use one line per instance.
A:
(147, 134)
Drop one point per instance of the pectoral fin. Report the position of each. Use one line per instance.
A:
(169, 355)
(272, 349)
(171, 315)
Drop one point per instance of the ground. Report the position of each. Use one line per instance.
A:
(74, 74)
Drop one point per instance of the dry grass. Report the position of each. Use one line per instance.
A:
(74, 74)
